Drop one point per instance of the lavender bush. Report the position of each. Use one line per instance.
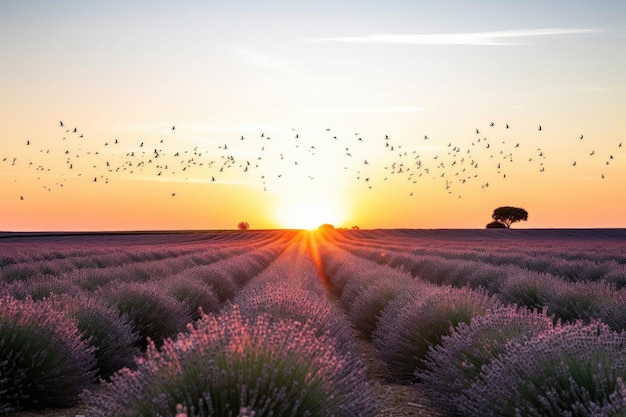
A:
(616, 276)
(529, 289)
(153, 313)
(298, 304)
(17, 272)
(222, 284)
(403, 340)
(453, 366)
(43, 360)
(366, 308)
(573, 370)
(102, 327)
(579, 300)
(43, 286)
(193, 294)
(226, 363)
(613, 313)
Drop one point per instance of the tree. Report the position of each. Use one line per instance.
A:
(243, 226)
(509, 215)
(355, 227)
(496, 225)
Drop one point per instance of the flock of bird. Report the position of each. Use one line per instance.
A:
(477, 161)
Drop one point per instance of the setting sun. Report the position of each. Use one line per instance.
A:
(308, 215)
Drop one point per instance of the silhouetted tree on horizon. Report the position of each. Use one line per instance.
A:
(496, 225)
(508, 215)
(243, 226)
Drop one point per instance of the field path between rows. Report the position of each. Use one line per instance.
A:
(395, 399)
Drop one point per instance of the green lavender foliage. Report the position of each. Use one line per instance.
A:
(455, 364)
(101, 325)
(225, 363)
(403, 338)
(574, 370)
(43, 360)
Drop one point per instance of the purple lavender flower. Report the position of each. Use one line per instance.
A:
(452, 366)
(43, 360)
(403, 339)
(225, 364)
(573, 370)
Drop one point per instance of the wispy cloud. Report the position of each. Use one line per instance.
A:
(505, 37)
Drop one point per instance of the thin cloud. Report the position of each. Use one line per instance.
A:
(505, 37)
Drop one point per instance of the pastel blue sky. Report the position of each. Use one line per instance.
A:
(407, 69)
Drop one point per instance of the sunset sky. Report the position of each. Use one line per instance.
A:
(293, 114)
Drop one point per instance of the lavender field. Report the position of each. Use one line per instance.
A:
(314, 323)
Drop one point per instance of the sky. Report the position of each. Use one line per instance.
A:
(290, 114)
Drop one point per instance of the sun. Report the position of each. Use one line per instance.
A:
(309, 215)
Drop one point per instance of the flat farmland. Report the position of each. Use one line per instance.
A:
(330, 322)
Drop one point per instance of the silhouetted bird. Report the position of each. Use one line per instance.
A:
(61, 123)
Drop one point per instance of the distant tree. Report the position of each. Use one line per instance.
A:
(355, 227)
(243, 226)
(496, 225)
(326, 226)
(509, 215)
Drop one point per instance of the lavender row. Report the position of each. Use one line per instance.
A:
(23, 258)
(109, 325)
(125, 263)
(573, 260)
(476, 357)
(568, 301)
(402, 315)
(281, 347)
(514, 362)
